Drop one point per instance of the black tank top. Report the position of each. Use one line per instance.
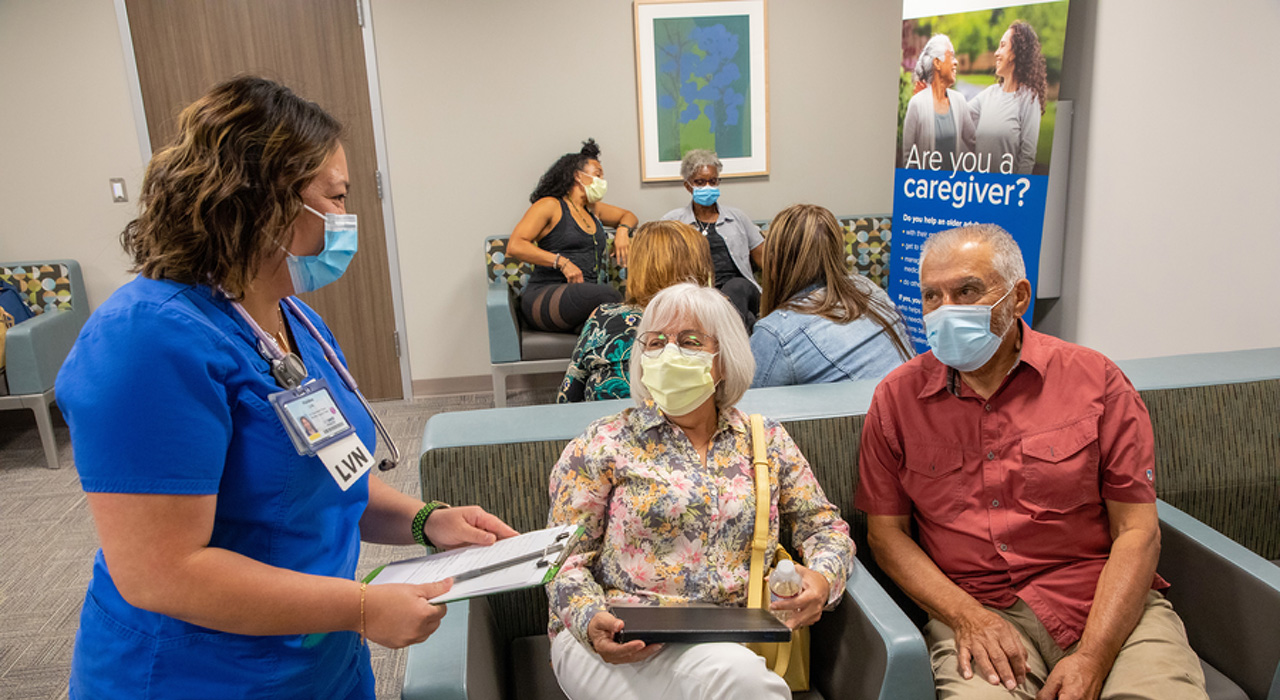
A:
(568, 239)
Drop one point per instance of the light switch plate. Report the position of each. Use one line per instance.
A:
(118, 193)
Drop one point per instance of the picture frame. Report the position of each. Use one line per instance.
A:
(702, 82)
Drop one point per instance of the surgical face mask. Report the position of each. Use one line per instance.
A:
(706, 196)
(678, 382)
(595, 191)
(311, 272)
(960, 334)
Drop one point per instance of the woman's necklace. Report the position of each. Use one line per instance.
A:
(581, 216)
(281, 335)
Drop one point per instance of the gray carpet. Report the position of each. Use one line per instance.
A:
(48, 543)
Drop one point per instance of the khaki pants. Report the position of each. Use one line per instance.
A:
(1156, 662)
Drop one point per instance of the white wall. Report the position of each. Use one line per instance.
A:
(480, 98)
(1174, 197)
(1173, 221)
(66, 128)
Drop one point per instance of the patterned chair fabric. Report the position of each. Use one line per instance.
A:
(44, 287)
(867, 244)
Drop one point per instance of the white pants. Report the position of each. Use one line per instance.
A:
(691, 671)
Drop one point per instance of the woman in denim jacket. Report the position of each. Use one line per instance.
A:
(820, 323)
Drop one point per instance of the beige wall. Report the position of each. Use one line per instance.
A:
(1172, 220)
(1173, 225)
(478, 103)
(66, 128)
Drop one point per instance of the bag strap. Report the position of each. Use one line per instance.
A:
(781, 655)
(760, 465)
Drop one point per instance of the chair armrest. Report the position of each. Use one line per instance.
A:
(461, 660)
(504, 329)
(35, 349)
(868, 648)
(1228, 599)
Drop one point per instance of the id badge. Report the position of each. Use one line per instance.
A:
(311, 417)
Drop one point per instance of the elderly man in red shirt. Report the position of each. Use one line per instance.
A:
(1028, 465)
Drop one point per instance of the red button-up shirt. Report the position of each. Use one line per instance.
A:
(1008, 492)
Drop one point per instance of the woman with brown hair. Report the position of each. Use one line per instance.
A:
(821, 324)
(229, 539)
(664, 253)
(1007, 114)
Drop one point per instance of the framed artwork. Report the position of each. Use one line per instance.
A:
(702, 82)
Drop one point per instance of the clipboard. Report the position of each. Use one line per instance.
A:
(524, 561)
(697, 624)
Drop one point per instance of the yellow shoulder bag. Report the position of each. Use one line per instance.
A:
(787, 659)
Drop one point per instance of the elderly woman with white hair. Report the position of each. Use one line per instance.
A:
(938, 118)
(665, 492)
(734, 238)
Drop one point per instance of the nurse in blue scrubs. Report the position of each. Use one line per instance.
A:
(230, 533)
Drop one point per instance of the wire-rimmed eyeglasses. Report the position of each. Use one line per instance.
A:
(688, 342)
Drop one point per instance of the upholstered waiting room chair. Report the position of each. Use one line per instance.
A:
(514, 348)
(35, 348)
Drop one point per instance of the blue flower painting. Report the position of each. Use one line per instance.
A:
(703, 85)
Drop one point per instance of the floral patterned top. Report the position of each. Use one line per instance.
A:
(662, 528)
(598, 369)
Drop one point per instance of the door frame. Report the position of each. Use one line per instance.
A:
(380, 148)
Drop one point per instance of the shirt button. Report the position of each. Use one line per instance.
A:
(1004, 547)
(995, 503)
(988, 407)
(991, 455)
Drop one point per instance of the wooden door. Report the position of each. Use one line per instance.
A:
(314, 47)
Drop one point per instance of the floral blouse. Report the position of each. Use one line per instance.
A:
(661, 528)
(598, 369)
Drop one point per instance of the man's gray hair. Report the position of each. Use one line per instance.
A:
(1006, 256)
(707, 308)
(698, 159)
(937, 49)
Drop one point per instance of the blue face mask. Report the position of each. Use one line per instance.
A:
(960, 334)
(706, 196)
(311, 272)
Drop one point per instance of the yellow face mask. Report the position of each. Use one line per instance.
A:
(678, 382)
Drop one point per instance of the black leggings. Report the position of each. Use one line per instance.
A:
(563, 308)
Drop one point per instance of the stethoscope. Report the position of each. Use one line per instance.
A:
(289, 371)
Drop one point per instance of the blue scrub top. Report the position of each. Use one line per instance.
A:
(166, 393)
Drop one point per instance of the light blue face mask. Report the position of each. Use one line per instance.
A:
(311, 272)
(960, 334)
(706, 196)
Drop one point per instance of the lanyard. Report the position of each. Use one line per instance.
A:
(289, 371)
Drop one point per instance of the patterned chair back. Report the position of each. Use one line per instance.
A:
(867, 244)
(44, 287)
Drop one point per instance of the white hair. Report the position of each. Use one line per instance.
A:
(696, 160)
(711, 311)
(936, 49)
(1006, 256)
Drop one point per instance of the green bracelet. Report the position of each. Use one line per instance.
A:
(420, 522)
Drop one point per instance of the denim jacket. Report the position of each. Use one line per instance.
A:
(797, 348)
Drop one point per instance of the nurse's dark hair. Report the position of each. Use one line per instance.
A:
(805, 247)
(222, 196)
(559, 178)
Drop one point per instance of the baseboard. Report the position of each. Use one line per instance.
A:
(482, 384)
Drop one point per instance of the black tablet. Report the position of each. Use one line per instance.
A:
(690, 625)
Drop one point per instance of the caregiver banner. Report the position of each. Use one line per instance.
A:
(978, 89)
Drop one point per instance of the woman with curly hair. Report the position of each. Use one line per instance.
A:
(1007, 114)
(562, 236)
